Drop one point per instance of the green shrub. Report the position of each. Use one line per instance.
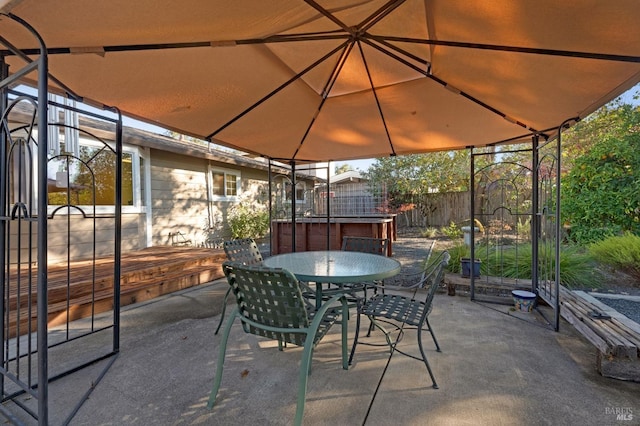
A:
(452, 231)
(524, 229)
(248, 220)
(429, 232)
(577, 266)
(600, 196)
(621, 252)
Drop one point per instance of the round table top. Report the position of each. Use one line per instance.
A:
(335, 266)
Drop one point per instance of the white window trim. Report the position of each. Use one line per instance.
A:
(230, 198)
(136, 207)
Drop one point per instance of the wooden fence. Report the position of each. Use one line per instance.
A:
(437, 210)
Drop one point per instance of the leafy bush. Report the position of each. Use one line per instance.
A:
(600, 196)
(619, 252)
(452, 231)
(524, 229)
(248, 220)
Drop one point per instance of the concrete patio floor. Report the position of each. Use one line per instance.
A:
(496, 368)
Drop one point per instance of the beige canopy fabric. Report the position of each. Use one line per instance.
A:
(339, 79)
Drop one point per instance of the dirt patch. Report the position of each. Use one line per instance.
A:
(618, 282)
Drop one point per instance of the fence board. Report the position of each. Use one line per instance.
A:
(439, 209)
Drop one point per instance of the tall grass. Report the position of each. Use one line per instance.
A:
(621, 252)
(577, 266)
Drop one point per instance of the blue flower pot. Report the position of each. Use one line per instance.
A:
(465, 267)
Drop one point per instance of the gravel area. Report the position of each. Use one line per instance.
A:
(628, 308)
(411, 252)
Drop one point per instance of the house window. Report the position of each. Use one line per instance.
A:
(225, 184)
(300, 192)
(88, 179)
(81, 166)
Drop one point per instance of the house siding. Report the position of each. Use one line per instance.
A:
(180, 199)
(78, 244)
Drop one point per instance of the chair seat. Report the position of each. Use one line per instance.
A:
(394, 307)
(406, 311)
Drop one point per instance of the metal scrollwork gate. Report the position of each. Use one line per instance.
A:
(515, 198)
(48, 187)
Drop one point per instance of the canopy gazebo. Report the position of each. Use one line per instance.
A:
(309, 81)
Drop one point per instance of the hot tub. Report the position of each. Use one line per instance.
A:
(311, 232)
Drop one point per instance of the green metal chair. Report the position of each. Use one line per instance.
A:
(245, 251)
(406, 312)
(365, 244)
(270, 303)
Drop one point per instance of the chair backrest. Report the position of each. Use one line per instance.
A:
(365, 244)
(243, 250)
(268, 297)
(433, 276)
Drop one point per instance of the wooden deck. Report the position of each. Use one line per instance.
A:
(145, 274)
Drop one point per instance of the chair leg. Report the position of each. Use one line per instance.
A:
(355, 338)
(305, 369)
(224, 308)
(345, 333)
(220, 364)
(424, 358)
(370, 329)
(433, 335)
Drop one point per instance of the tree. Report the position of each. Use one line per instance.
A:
(601, 193)
(616, 119)
(601, 181)
(343, 168)
(416, 174)
(407, 178)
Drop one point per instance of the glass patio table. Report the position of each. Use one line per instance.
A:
(334, 267)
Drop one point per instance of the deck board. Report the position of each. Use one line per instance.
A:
(145, 274)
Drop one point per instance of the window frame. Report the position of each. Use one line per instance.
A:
(225, 172)
(301, 187)
(136, 207)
